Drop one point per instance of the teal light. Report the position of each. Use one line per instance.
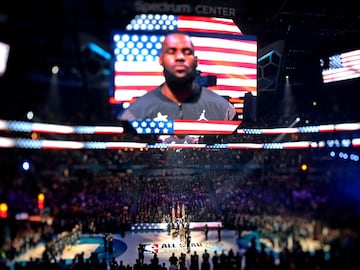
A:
(100, 51)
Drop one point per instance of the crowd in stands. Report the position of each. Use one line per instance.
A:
(262, 199)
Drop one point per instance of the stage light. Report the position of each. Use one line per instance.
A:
(3, 210)
(304, 167)
(41, 201)
(26, 166)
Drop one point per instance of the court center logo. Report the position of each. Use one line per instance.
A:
(152, 248)
(180, 247)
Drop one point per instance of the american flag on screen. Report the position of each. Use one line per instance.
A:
(194, 127)
(342, 67)
(219, 44)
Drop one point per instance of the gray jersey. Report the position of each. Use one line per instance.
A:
(203, 105)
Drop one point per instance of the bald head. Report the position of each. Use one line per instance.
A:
(177, 38)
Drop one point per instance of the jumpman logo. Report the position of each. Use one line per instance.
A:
(202, 116)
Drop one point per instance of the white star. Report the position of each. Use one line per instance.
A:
(160, 117)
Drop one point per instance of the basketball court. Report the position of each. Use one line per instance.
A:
(126, 248)
(160, 242)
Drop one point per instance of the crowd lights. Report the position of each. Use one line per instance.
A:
(345, 156)
(188, 126)
(39, 128)
(71, 145)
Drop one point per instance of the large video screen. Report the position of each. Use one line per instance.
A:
(340, 67)
(227, 59)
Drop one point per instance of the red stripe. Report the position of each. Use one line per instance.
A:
(234, 88)
(137, 73)
(132, 87)
(205, 19)
(195, 19)
(204, 30)
(237, 100)
(203, 132)
(112, 100)
(224, 122)
(228, 63)
(227, 50)
(231, 76)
